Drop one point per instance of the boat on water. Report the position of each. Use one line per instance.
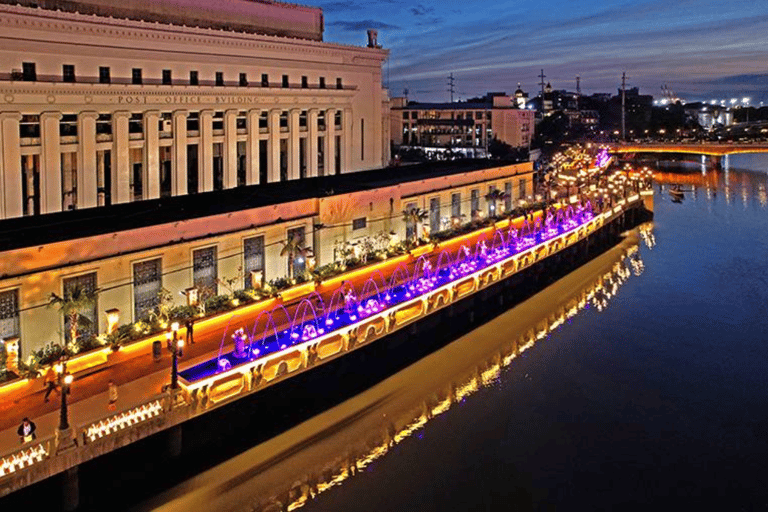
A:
(676, 193)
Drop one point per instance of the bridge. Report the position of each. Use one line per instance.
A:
(705, 148)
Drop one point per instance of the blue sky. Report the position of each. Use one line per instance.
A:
(701, 49)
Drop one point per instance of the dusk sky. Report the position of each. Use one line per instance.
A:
(701, 49)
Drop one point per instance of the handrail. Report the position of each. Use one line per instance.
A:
(114, 423)
(25, 457)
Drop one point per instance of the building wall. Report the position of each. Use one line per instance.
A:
(36, 272)
(132, 132)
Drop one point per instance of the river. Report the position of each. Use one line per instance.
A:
(638, 380)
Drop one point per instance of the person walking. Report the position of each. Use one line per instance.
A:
(190, 325)
(50, 382)
(26, 431)
(112, 392)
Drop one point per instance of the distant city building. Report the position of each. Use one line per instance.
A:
(464, 124)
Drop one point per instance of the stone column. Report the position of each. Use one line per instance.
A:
(312, 143)
(87, 177)
(121, 168)
(68, 198)
(230, 149)
(273, 158)
(347, 124)
(252, 148)
(29, 175)
(50, 163)
(205, 152)
(151, 178)
(330, 141)
(294, 172)
(11, 202)
(179, 174)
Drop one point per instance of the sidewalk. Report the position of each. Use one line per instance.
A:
(88, 410)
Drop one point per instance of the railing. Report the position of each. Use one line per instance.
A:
(120, 421)
(25, 457)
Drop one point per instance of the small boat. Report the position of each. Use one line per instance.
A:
(676, 193)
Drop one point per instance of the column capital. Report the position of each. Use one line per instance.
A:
(180, 113)
(314, 110)
(296, 111)
(87, 115)
(121, 113)
(12, 116)
(206, 113)
(255, 112)
(149, 113)
(230, 112)
(45, 116)
(274, 111)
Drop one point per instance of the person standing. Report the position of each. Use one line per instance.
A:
(50, 382)
(112, 392)
(190, 325)
(26, 431)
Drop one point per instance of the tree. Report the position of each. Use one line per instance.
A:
(495, 195)
(292, 248)
(414, 217)
(71, 304)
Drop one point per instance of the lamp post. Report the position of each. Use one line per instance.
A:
(175, 346)
(65, 381)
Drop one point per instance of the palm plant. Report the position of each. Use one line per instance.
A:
(414, 217)
(292, 248)
(71, 304)
(495, 195)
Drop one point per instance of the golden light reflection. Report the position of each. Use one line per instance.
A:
(600, 291)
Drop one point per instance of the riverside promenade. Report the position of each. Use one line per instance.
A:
(145, 409)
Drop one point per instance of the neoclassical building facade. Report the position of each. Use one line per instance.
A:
(98, 110)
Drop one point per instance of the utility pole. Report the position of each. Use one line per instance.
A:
(623, 106)
(578, 92)
(451, 86)
(541, 83)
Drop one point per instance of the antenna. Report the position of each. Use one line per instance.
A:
(451, 86)
(541, 83)
(405, 93)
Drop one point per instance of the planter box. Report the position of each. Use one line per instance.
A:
(424, 249)
(297, 291)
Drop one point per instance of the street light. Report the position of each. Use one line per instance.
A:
(65, 381)
(176, 347)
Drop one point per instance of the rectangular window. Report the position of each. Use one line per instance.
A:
(299, 262)
(136, 78)
(456, 206)
(434, 215)
(28, 71)
(285, 81)
(492, 206)
(9, 314)
(264, 80)
(89, 326)
(338, 84)
(474, 201)
(220, 78)
(104, 75)
(205, 271)
(68, 72)
(359, 223)
(167, 77)
(410, 226)
(521, 188)
(147, 285)
(304, 82)
(253, 259)
(194, 78)
(405, 115)
(243, 80)
(322, 82)
(507, 196)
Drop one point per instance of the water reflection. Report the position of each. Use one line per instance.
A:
(748, 186)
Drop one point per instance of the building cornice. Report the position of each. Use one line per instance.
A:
(66, 23)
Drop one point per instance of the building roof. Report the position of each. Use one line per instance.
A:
(457, 105)
(251, 16)
(56, 227)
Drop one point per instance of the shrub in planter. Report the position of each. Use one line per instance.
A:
(217, 304)
(183, 313)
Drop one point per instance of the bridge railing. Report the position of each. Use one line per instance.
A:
(114, 423)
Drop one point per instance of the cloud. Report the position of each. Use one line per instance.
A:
(421, 10)
(357, 25)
